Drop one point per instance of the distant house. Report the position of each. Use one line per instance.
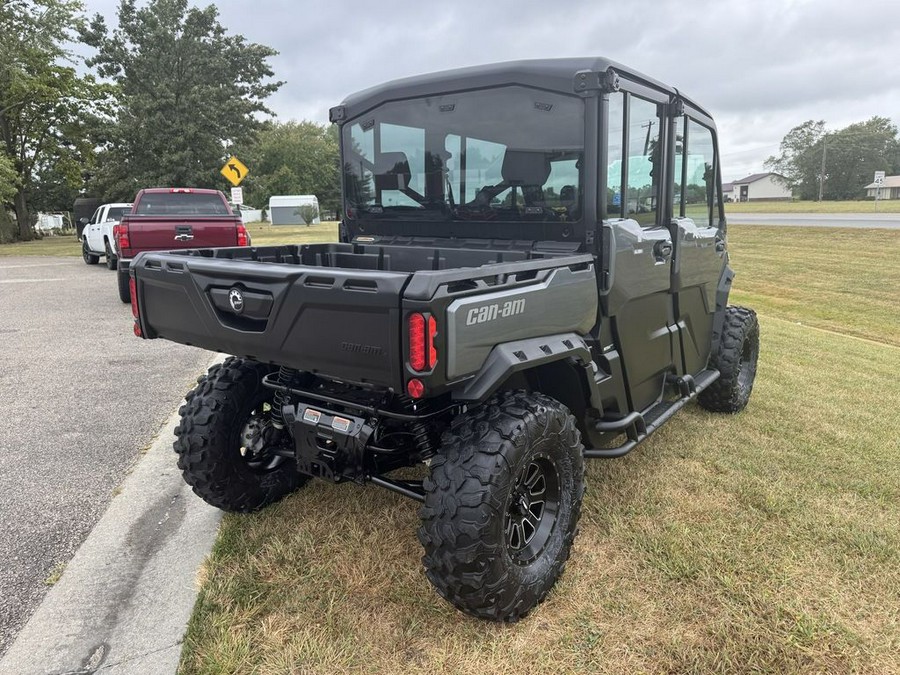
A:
(727, 190)
(890, 188)
(769, 186)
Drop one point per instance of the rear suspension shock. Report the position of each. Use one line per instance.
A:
(281, 398)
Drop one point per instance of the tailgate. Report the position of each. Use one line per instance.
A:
(155, 233)
(343, 323)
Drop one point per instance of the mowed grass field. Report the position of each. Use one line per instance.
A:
(260, 233)
(767, 541)
(860, 206)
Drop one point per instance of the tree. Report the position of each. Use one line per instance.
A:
(308, 213)
(294, 158)
(42, 97)
(800, 158)
(188, 91)
(851, 157)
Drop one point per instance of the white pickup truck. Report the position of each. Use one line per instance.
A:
(97, 238)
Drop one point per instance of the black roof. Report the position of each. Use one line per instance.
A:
(552, 74)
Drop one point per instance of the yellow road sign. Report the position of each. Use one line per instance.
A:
(234, 170)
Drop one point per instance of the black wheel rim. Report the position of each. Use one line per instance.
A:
(531, 511)
(259, 455)
(84, 252)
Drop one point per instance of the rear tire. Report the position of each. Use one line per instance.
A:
(124, 289)
(736, 360)
(219, 419)
(111, 260)
(88, 257)
(502, 505)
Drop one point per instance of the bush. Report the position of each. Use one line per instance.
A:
(308, 212)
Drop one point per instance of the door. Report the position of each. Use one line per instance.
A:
(699, 246)
(92, 232)
(639, 301)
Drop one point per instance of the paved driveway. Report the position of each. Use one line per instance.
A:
(80, 396)
(888, 221)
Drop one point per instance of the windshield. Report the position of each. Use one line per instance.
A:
(511, 153)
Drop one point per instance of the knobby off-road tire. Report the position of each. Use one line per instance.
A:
(496, 463)
(211, 433)
(735, 359)
(86, 254)
(111, 260)
(124, 289)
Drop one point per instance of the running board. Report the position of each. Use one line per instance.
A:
(639, 427)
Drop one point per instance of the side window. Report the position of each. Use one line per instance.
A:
(96, 217)
(699, 175)
(644, 161)
(614, 156)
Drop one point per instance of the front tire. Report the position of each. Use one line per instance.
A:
(502, 505)
(124, 288)
(88, 257)
(221, 446)
(736, 360)
(111, 260)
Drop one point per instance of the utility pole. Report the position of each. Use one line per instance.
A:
(649, 124)
(822, 171)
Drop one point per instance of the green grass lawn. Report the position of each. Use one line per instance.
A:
(260, 233)
(862, 206)
(767, 541)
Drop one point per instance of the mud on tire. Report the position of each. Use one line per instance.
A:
(735, 359)
(490, 549)
(209, 440)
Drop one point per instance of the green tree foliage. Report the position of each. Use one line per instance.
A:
(42, 98)
(187, 91)
(852, 155)
(294, 158)
(308, 213)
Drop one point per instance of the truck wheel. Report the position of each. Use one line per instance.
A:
(502, 504)
(124, 288)
(222, 440)
(111, 259)
(89, 257)
(736, 360)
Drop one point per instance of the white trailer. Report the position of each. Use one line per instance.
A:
(284, 209)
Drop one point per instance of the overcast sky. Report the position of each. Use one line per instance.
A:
(760, 66)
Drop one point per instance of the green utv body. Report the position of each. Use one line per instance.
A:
(532, 270)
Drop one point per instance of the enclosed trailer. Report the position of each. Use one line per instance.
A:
(285, 209)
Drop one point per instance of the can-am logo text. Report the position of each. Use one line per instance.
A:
(495, 311)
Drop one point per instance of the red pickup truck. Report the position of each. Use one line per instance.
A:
(164, 219)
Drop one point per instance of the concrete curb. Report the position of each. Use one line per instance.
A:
(124, 600)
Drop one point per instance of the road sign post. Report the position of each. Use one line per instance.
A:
(879, 181)
(234, 170)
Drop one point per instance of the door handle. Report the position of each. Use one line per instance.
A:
(662, 250)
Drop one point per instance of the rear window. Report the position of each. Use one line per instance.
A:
(116, 212)
(181, 203)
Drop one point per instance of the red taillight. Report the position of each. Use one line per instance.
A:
(432, 349)
(243, 239)
(132, 290)
(120, 234)
(417, 342)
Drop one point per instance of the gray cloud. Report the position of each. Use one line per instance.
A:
(761, 67)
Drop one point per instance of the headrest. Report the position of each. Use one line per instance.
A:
(525, 167)
(392, 171)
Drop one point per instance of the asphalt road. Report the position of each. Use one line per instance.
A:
(889, 221)
(80, 397)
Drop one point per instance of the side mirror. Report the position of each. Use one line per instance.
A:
(84, 221)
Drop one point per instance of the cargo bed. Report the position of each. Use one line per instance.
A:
(332, 309)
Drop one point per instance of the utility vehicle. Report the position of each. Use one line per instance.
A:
(532, 271)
